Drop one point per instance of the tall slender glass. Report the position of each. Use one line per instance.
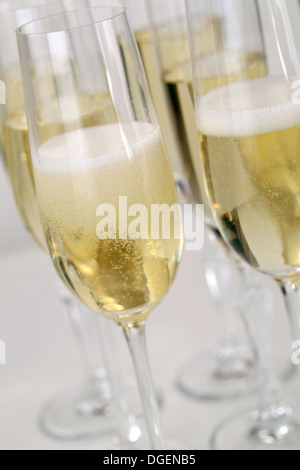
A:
(233, 362)
(85, 409)
(170, 37)
(138, 16)
(249, 143)
(99, 185)
(13, 123)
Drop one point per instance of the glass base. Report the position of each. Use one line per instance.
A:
(85, 410)
(81, 411)
(242, 432)
(202, 379)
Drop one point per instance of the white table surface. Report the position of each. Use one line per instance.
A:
(41, 352)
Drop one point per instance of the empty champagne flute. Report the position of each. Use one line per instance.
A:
(249, 142)
(89, 407)
(100, 186)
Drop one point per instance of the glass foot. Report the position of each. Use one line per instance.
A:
(85, 410)
(203, 379)
(80, 411)
(244, 432)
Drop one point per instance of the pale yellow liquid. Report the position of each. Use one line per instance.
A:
(21, 174)
(2, 154)
(179, 87)
(123, 279)
(14, 102)
(251, 159)
(90, 110)
(179, 84)
(16, 154)
(160, 99)
(179, 132)
(173, 42)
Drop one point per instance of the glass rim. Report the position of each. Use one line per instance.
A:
(21, 7)
(116, 10)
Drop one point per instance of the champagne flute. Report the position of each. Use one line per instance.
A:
(234, 360)
(85, 409)
(248, 137)
(138, 16)
(87, 177)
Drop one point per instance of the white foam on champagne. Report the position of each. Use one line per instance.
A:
(249, 108)
(96, 147)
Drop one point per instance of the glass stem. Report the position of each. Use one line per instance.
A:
(136, 340)
(227, 283)
(291, 295)
(75, 316)
(273, 417)
(95, 340)
(252, 295)
(126, 422)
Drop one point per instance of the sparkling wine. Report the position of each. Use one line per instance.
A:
(250, 142)
(90, 109)
(20, 170)
(163, 106)
(77, 172)
(179, 82)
